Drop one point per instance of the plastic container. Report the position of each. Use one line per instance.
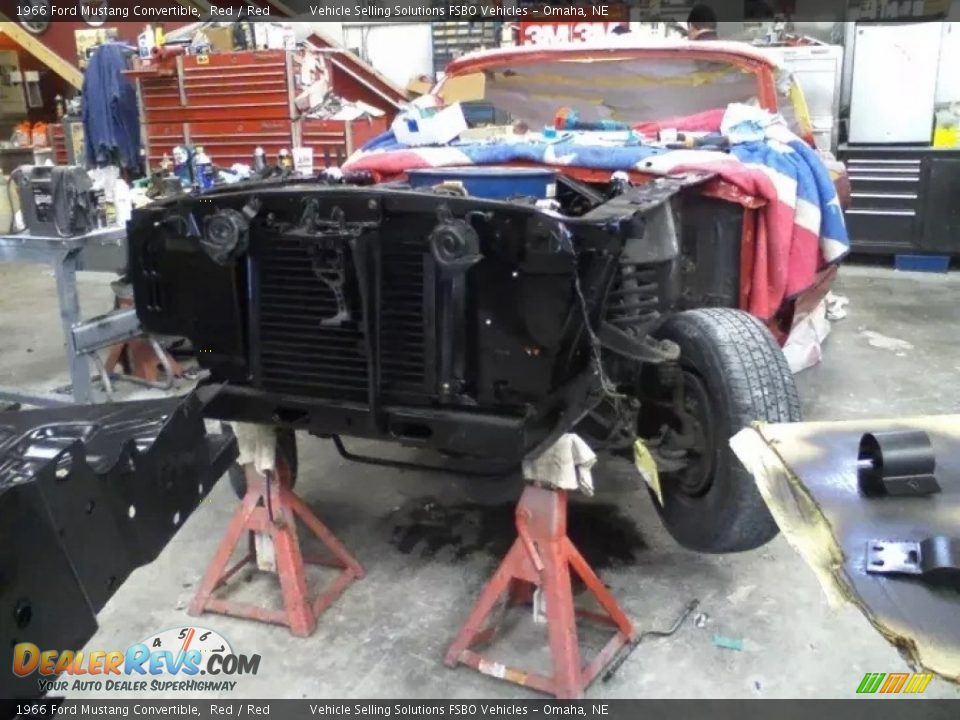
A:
(493, 182)
(946, 132)
(146, 41)
(259, 159)
(122, 201)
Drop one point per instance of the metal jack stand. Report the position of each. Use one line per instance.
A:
(271, 508)
(541, 558)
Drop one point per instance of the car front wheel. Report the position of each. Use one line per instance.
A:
(732, 373)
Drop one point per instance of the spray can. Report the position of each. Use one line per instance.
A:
(284, 160)
(181, 164)
(203, 169)
(259, 159)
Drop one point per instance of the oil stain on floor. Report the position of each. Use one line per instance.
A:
(429, 528)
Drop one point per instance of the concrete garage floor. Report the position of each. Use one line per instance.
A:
(387, 636)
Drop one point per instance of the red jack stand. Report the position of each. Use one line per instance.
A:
(541, 557)
(271, 508)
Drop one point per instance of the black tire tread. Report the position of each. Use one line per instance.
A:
(755, 362)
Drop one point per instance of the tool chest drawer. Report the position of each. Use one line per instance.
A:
(229, 143)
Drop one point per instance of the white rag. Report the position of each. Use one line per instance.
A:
(564, 465)
(256, 444)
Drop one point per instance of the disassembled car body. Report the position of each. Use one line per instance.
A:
(485, 328)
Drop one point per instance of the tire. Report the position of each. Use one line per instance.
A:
(287, 462)
(732, 363)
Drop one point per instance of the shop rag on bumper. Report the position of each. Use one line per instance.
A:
(799, 230)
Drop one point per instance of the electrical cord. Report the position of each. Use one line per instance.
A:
(608, 387)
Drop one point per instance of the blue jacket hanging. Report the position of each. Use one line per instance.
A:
(111, 121)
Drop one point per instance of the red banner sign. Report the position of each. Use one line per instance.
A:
(560, 33)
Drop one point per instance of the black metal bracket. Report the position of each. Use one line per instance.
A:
(937, 558)
(897, 462)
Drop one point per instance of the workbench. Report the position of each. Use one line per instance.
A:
(103, 250)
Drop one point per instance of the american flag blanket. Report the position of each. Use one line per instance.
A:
(800, 228)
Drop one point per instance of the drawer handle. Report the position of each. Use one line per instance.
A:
(881, 161)
(885, 196)
(880, 178)
(897, 213)
(891, 170)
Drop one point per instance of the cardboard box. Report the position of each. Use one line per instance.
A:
(221, 38)
(414, 126)
(419, 85)
(464, 88)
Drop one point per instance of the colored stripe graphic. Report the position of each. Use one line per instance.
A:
(918, 683)
(870, 683)
(893, 683)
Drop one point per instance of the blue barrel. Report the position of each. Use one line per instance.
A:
(493, 182)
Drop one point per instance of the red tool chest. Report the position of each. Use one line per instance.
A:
(234, 101)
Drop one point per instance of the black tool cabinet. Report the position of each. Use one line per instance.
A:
(903, 199)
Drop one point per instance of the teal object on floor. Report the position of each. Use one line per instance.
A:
(728, 643)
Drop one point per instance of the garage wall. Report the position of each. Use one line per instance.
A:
(400, 51)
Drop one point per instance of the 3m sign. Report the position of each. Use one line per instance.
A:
(594, 24)
(889, 683)
(561, 33)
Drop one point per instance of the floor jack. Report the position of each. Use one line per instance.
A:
(271, 508)
(541, 559)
